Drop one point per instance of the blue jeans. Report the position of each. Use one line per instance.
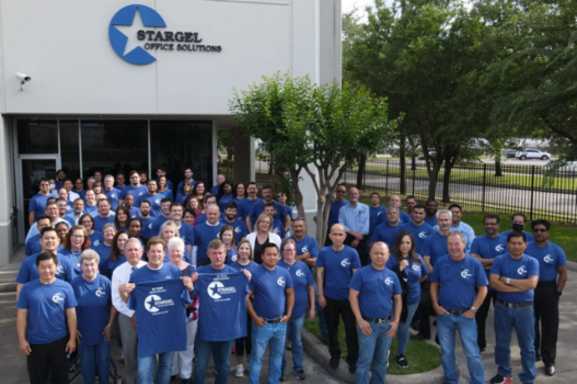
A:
(93, 357)
(274, 336)
(373, 351)
(220, 350)
(447, 326)
(163, 372)
(523, 319)
(294, 332)
(403, 330)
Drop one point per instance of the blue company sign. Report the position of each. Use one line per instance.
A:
(133, 46)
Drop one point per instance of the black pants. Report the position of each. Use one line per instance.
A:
(424, 310)
(481, 316)
(244, 344)
(332, 311)
(362, 248)
(46, 358)
(546, 306)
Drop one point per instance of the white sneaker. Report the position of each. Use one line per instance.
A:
(239, 372)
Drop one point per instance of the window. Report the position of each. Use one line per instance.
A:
(37, 137)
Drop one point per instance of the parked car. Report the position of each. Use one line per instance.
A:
(510, 153)
(532, 154)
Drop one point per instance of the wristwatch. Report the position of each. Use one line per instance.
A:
(474, 309)
(507, 281)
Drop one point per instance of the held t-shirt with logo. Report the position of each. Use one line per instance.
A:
(222, 299)
(93, 310)
(488, 248)
(268, 288)
(415, 270)
(419, 232)
(522, 268)
(338, 270)
(301, 277)
(550, 257)
(159, 299)
(458, 281)
(46, 305)
(28, 271)
(376, 289)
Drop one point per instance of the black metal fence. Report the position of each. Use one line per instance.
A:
(532, 189)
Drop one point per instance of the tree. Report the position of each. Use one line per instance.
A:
(225, 143)
(321, 129)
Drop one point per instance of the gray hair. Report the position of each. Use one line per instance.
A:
(88, 255)
(391, 207)
(457, 234)
(175, 242)
(133, 240)
(107, 225)
(447, 211)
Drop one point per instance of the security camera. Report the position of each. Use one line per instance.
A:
(23, 77)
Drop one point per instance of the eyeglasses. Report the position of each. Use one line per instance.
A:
(540, 230)
(341, 191)
(289, 250)
(78, 236)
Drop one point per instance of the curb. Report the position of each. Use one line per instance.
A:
(571, 266)
(318, 351)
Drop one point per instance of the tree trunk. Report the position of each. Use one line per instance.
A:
(295, 191)
(270, 164)
(361, 172)
(433, 178)
(498, 170)
(447, 182)
(403, 166)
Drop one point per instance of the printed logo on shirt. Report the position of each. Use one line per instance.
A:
(150, 303)
(416, 267)
(150, 226)
(157, 201)
(465, 274)
(299, 273)
(548, 259)
(141, 193)
(234, 258)
(237, 230)
(305, 249)
(59, 270)
(422, 235)
(154, 303)
(346, 263)
(500, 248)
(522, 270)
(281, 281)
(57, 298)
(379, 214)
(100, 292)
(113, 195)
(217, 289)
(389, 281)
(96, 243)
(276, 230)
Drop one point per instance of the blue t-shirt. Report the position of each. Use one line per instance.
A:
(147, 225)
(222, 296)
(93, 310)
(33, 245)
(404, 217)
(214, 190)
(180, 198)
(157, 224)
(160, 312)
(224, 199)
(528, 235)
(155, 199)
(103, 251)
(137, 192)
(186, 233)
(70, 219)
(301, 277)
(202, 219)
(96, 239)
(28, 271)
(435, 246)
(107, 266)
(419, 232)
(277, 228)
(377, 215)
(550, 257)
(113, 196)
(251, 266)
(307, 244)
(414, 272)
(268, 289)
(74, 258)
(338, 267)
(376, 289)
(204, 234)
(179, 186)
(258, 208)
(432, 221)
(240, 230)
(245, 207)
(488, 248)
(334, 213)
(46, 305)
(38, 204)
(386, 233)
(289, 211)
(99, 222)
(167, 193)
(90, 209)
(458, 281)
(522, 268)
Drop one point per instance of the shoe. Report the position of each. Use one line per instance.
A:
(282, 377)
(352, 368)
(289, 345)
(334, 363)
(419, 336)
(121, 362)
(550, 370)
(301, 375)
(239, 371)
(187, 381)
(498, 379)
(402, 361)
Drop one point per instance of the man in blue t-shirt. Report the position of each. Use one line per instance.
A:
(273, 299)
(185, 231)
(223, 294)
(485, 248)
(104, 216)
(461, 226)
(375, 297)
(134, 188)
(219, 180)
(231, 211)
(336, 265)
(377, 213)
(154, 198)
(281, 198)
(514, 276)
(258, 208)
(38, 201)
(518, 222)
(46, 323)
(277, 225)
(387, 231)
(395, 201)
(341, 193)
(146, 219)
(247, 203)
(552, 279)
(204, 233)
(431, 218)
(161, 317)
(418, 228)
(112, 193)
(458, 288)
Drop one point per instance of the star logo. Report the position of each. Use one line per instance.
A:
(131, 19)
(150, 303)
(213, 289)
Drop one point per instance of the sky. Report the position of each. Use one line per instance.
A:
(348, 5)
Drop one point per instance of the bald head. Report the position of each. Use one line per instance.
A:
(212, 214)
(395, 201)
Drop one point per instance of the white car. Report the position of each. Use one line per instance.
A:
(532, 154)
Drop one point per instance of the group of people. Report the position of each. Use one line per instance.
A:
(180, 278)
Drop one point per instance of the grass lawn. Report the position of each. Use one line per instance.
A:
(421, 356)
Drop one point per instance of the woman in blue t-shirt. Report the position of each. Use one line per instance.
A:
(116, 255)
(224, 195)
(185, 191)
(95, 315)
(87, 221)
(229, 239)
(242, 345)
(163, 188)
(409, 265)
(121, 218)
(77, 240)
